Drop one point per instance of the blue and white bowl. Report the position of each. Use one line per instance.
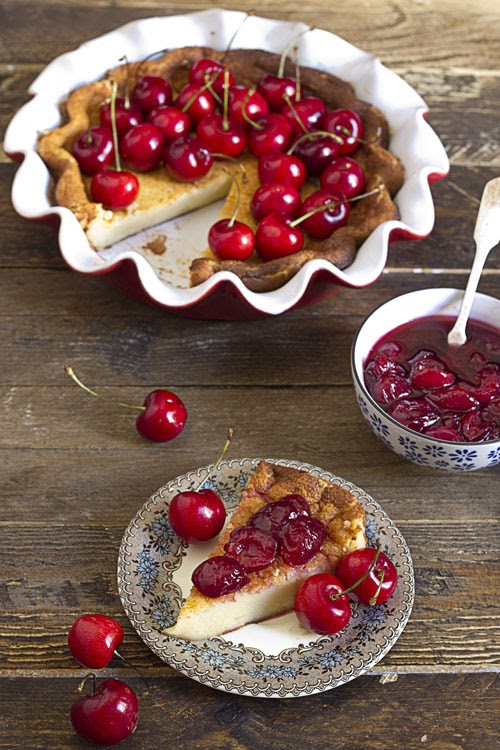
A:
(421, 449)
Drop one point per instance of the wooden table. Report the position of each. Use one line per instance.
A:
(74, 472)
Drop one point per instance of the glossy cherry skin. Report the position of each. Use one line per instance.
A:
(254, 548)
(306, 114)
(231, 240)
(93, 639)
(317, 607)
(197, 516)
(207, 70)
(196, 101)
(316, 152)
(271, 132)
(127, 115)
(275, 238)
(107, 717)
(94, 149)
(245, 101)
(219, 575)
(275, 198)
(114, 189)
(275, 88)
(187, 159)
(151, 92)
(323, 223)
(142, 147)
(348, 126)
(343, 176)
(163, 417)
(273, 517)
(301, 540)
(172, 121)
(277, 166)
(221, 136)
(383, 574)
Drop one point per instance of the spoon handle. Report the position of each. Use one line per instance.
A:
(486, 236)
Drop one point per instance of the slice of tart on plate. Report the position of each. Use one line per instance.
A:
(270, 591)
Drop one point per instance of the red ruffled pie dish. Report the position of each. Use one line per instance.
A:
(134, 265)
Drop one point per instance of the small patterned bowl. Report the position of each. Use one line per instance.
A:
(439, 454)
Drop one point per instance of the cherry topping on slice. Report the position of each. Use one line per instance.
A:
(115, 189)
(219, 575)
(142, 147)
(301, 539)
(343, 175)
(275, 238)
(151, 92)
(254, 548)
(275, 198)
(94, 149)
(272, 517)
(187, 159)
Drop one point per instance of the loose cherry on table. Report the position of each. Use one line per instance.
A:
(162, 416)
(94, 149)
(108, 715)
(93, 640)
(198, 515)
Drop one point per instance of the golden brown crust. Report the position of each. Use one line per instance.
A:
(380, 166)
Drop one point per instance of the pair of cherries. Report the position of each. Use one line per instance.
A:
(110, 713)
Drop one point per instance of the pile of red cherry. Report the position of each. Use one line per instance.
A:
(293, 136)
(286, 529)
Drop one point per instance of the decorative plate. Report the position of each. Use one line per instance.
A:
(273, 659)
(136, 270)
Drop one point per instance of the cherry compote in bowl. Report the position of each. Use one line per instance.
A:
(435, 405)
(146, 275)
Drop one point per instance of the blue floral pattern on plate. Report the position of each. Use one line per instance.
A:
(150, 568)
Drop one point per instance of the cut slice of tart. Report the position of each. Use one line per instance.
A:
(271, 591)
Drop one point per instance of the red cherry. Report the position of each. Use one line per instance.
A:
(127, 115)
(151, 92)
(344, 176)
(316, 152)
(348, 126)
(322, 223)
(94, 149)
(379, 584)
(253, 548)
(142, 147)
(115, 189)
(454, 398)
(273, 517)
(275, 198)
(197, 516)
(206, 70)
(271, 132)
(196, 101)
(389, 387)
(275, 238)
(277, 166)
(379, 366)
(476, 427)
(93, 639)
(245, 104)
(172, 121)
(108, 716)
(221, 136)
(219, 575)
(274, 89)
(231, 240)
(187, 159)
(163, 417)
(301, 540)
(318, 606)
(415, 413)
(306, 114)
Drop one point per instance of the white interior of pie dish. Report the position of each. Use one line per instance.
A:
(412, 140)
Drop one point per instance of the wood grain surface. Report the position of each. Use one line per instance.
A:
(74, 471)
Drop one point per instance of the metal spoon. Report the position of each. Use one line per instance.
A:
(486, 236)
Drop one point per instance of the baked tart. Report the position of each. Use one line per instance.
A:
(161, 197)
(313, 522)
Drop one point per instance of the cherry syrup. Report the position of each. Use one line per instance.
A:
(449, 393)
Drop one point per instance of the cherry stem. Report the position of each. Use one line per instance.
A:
(238, 28)
(132, 666)
(309, 134)
(206, 86)
(149, 57)
(238, 200)
(297, 74)
(294, 112)
(113, 125)
(82, 683)
(380, 576)
(127, 82)
(292, 43)
(360, 580)
(225, 106)
(216, 465)
(332, 204)
(69, 371)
